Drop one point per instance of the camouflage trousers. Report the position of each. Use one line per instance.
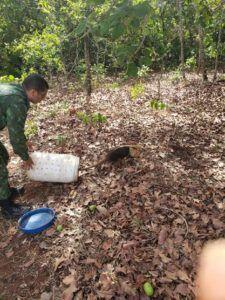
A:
(4, 183)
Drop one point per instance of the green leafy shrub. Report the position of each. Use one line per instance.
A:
(41, 50)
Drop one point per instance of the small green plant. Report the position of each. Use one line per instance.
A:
(95, 118)
(31, 129)
(155, 104)
(61, 140)
(83, 117)
(136, 91)
(143, 71)
(98, 118)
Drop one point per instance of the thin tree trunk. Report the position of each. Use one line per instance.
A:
(202, 54)
(88, 86)
(181, 37)
(217, 56)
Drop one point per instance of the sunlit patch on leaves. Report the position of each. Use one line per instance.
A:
(136, 91)
(113, 85)
(8, 79)
(143, 71)
(176, 76)
(31, 129)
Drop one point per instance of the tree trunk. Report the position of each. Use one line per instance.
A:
(202, 54)
(181, 37)
(88, 70)
(217, 56)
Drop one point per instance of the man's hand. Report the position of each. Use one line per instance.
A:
(28, 164)
(30, 145)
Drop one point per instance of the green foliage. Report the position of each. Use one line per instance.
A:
(94, 118)
(31, 129)
(157, 105)
(190, 63)
(99, 71)
(98, 118)
(40, 51)
(143, 71)
(8, 79)
(83, 117)
(136, 91)
(126, 36)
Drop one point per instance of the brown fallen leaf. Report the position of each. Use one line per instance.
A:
(217, 224)
(106, 295)
(58, 262)
(102, 210)
(129, 244)
(29, 263)
(44, 245)
(68, 279)
(9, 253)
(182, 289)
(68, 294)
(46, 296)
(109, 232)
(106, 245)
(140, 279)
(164, 258)
(92, 261)
(50, 231)
(182, 275)
(162, 236)
(3, 245)
(127, 288)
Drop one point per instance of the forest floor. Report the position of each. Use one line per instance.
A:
(153, 214)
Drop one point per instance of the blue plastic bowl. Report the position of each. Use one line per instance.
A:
(36, 220)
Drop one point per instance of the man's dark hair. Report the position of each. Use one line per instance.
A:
(36, 82)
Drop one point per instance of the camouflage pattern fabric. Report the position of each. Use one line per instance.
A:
(4, 185)
(14, 106)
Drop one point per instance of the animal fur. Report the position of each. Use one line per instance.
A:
(118, 153)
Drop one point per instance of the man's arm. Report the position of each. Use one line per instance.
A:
(16, 118)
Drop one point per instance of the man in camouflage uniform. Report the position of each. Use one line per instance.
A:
(14, 104)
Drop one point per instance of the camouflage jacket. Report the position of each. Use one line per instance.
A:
(14, 106)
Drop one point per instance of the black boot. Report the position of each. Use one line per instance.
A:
(11, 210)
